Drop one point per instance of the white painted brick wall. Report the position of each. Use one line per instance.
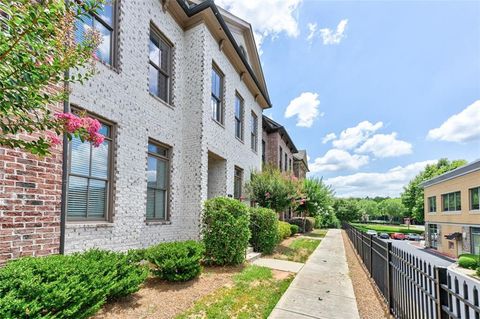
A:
(122, 97)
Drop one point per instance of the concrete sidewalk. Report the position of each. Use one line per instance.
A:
(322, 289)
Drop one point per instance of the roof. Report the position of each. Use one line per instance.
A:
(462, 170)
(302, 156)
(190, 9)
(270, 126)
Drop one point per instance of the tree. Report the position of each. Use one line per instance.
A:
(392, 207)
(347, 209)
(37, 47)
(368, 207)
(318, 197)
(412, 196)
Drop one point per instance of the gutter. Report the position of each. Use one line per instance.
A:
(191, 11)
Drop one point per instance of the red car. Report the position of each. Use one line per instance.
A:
(398, 236)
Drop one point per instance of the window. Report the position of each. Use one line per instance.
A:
(103, 21)
(280, 157)
(290, 165)
(475, 198)
(160, 56)
(237, 183)
(286, 162)
(239, 117)
(475, 240)
(217, 94)
(263, 151)
(433, 235)
(432, 204)
(158, 169)
(451, 202)
(89, 178)
(254, 132)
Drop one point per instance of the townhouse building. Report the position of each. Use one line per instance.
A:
(452, 211)
(180, 92)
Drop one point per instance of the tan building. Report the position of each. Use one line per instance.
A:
(452, 212)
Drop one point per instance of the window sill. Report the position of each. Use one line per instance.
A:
(220, 124)
(86, 224)
(240, 140)
(158, 222)
(474, 211)
(108, 66)
(171, 106)
(453, 212)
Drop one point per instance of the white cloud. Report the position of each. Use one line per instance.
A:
(385, 145)
(353, 136)
(268, 18)
(389, 183)
(305, 107)
(461, 127)
(330, 36)
(329, 137)
(312, 29)
(335, 160)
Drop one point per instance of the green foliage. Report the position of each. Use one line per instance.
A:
(469, 262)
(318, 197)
(263, 227)
(74, 286)
(283, 230)
(225, 231)
(294, 229)
(305, 224)
(369, 208)
(327, 220)
(392, 207)
(412, 196)
(272, 189)
(347, 209)
(36, 49)
(176, 261)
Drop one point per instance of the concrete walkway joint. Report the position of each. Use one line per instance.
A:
(322, 289)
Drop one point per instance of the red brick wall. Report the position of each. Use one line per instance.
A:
(30, 198)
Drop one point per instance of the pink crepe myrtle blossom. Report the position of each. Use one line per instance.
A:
(267, 195)
(87, 127)
(53, 139)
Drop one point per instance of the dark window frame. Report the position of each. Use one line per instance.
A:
(167, 158)
(471, 191)
(286, 162)
(448, 197)
(110, 178)
(219, 114)
(162, 39)
(239, 120)
(237, 181)
(263, 151)
(254, 132)
(432, 200)
(280, 161)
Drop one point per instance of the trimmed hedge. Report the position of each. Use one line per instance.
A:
(308, 222)
(225, 230)
(468, 262)
(294, 229)
(283, 230)
(176, 261)
(263, 228)
(74, 286)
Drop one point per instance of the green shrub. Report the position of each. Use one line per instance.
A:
(74, 286)
(225, 231)
(176, 261)
(294, 229)
(478, 271)
(468, 262)
(263, 228)
(305, 224)
(327, 220)
(283, 230)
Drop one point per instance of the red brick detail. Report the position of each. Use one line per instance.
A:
(30, 201)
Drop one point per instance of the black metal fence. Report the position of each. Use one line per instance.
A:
(411, 286)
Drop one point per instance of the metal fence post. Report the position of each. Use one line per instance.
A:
(441, 295)
(389, 277)
(371, 254)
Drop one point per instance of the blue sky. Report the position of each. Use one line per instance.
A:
(400, 79)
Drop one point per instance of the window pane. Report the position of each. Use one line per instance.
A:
(215, 108)
(97, 198)
(80, 160)
(105, 130)
(153, 80)
(150, 203)
(106, 13)
(458, 202)
(160, 196)
(164, 56)
(100, 160)
(216, 84)
(152, 148)
(238, 107)
(152, 171)
(77, 197)
(475, 195)
(154, 53)
(103, 50)
(162, 87)
(81, 27)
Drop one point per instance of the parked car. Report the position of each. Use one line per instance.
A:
(398, 236)
(372, 232)
(384, 236)
(412, 237)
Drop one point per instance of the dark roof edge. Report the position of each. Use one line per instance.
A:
(191, 11)
(282, 129)
(460, 171)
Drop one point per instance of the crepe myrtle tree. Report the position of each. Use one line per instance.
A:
(37, 47)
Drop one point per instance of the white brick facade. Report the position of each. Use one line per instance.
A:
(121, 96)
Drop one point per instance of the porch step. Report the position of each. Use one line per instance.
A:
(253, 256)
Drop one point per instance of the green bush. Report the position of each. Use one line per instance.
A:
(263, 228)
(283, 230)
(176, 261)
(294, 229)
(74, 286)
(225, 231)
(469, 262)
(327, 220)
(301, 222)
